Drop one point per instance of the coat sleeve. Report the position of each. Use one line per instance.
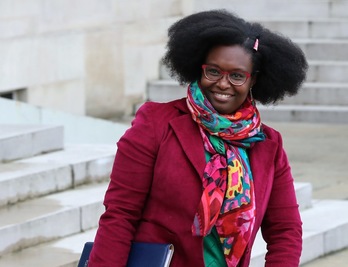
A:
(282, 226)
(126, 195)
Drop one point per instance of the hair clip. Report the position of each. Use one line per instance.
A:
(256, 44)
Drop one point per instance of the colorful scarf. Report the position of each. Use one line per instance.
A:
(227, 201)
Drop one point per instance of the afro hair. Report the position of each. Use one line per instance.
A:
(280, 65)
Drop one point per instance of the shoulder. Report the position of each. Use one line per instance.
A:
(271, 133)
(156, 117)
(151, 123)
(274, 140)
(163, 111)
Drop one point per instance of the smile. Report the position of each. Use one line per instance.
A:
(225, 96)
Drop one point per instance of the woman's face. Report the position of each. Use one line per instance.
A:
(225, 97)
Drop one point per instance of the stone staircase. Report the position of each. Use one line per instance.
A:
(52, 197)
(50, 191)
(324, 40)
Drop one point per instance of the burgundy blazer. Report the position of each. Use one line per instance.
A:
(156, 186)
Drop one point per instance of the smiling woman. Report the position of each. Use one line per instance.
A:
(204, 173)
(228, 92)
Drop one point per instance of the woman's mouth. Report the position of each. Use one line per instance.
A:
(220, 96)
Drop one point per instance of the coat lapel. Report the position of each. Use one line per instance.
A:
(190, 140)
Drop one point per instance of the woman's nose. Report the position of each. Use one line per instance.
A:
(224, 83)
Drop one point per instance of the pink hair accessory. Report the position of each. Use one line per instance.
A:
(256, 44)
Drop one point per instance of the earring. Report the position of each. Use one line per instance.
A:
(251, 96)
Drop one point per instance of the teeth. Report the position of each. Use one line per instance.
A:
(221, 95)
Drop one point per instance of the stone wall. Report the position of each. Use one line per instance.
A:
(88, 57)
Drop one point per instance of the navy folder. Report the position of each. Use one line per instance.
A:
(141, 255)
(83, 262)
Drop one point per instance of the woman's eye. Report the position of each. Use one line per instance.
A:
(215, 72)
(237, 75)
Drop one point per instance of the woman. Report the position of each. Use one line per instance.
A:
(203, 172)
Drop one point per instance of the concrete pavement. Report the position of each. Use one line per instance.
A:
(318, 154)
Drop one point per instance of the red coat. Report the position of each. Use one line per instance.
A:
(156, 186)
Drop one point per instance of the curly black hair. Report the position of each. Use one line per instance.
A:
(279, 63)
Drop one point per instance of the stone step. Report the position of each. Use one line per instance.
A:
(324, 49)
(326, 28)
(165, 90)
(64, 252)
(304, 195)
(327, 71)
(50, 217)
(328, 94)
(40, 220)
(311, 94)
(321, 233)
(53, 172)
(23, 141)
(304, 113)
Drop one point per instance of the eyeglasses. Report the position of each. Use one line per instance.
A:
(213, 73)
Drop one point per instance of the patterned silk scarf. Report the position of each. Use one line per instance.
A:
(227, 201)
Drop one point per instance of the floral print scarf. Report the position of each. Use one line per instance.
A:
(227, 200)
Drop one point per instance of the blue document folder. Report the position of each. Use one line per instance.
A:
(141, 255)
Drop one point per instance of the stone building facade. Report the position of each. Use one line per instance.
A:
(87, 57)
